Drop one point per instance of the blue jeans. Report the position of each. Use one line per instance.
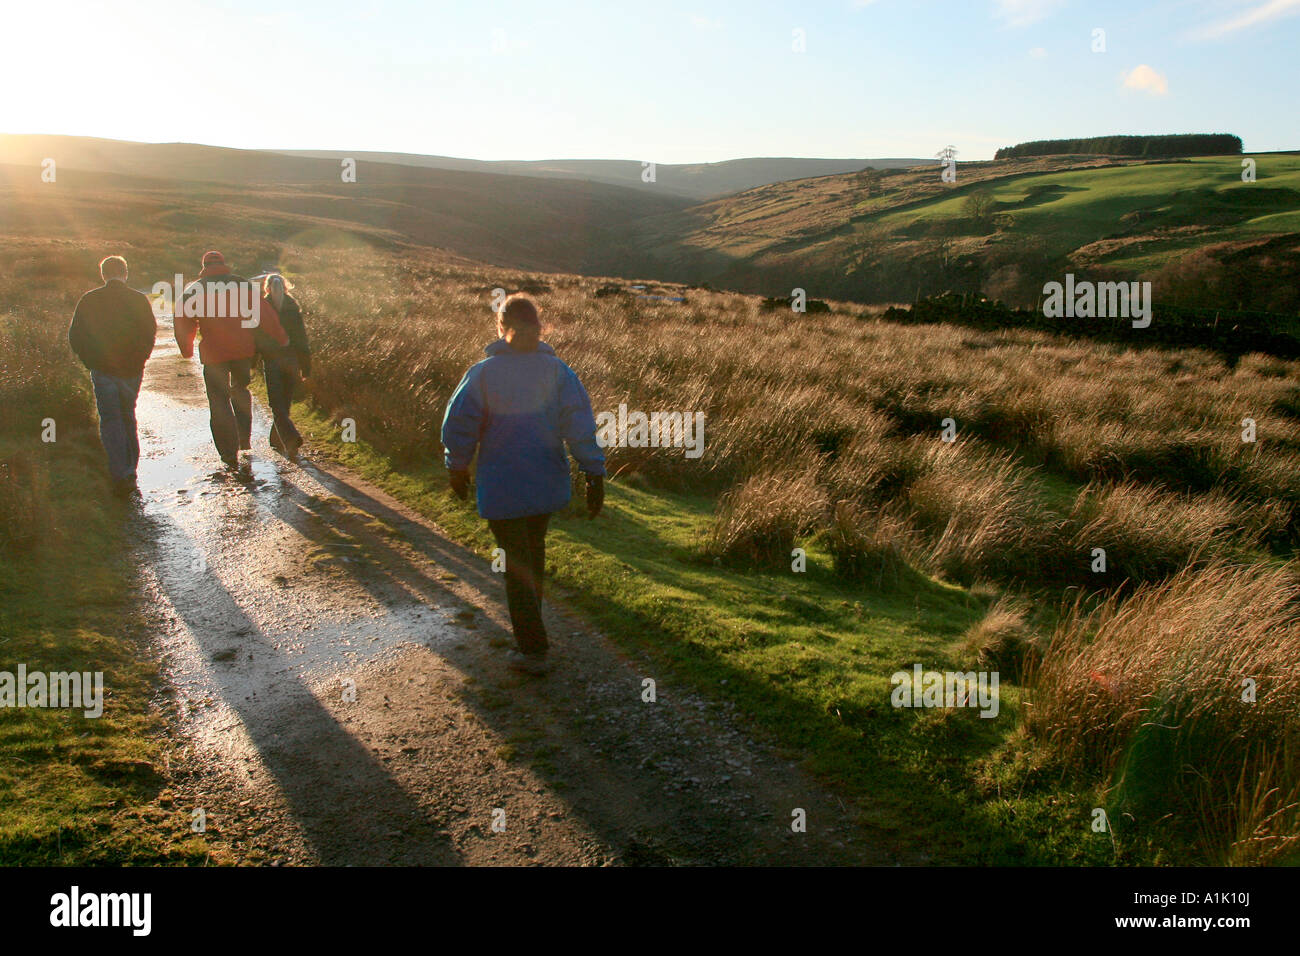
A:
(115, 397)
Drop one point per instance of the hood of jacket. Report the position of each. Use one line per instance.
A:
(501, 345)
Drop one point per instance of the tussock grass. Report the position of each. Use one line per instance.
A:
(37, 378)
(981, 513)
(874, 548)
(1152, 693)
(40, 382)
(757, 523)
(1004, 640)
(1149, 535)
(857, 400)
(874, 469)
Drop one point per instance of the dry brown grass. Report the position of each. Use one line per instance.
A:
(856, 402)
(876, 548)
(1148, 534)
(1152, 694)
(981, 513)
(25, 509)
(759, 522)
(40, 380)
(1004, 640)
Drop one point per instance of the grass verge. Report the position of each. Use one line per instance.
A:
(77, 790)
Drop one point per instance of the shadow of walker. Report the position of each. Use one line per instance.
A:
(346, 804)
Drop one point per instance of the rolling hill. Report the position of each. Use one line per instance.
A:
(697, 181)
(1192, 226)
(1194, 223)
(839, 407)
(517, 221)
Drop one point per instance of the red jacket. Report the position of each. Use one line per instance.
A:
(222, 335)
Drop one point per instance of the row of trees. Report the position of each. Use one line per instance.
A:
(1147, 147)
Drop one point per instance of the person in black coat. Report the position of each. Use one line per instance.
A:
(112, 333)
(284, 367)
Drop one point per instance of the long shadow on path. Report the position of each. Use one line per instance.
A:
(666, 777)
(346, 804)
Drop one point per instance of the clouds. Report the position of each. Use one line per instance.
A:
(1021, 13)
(1260, 11)
(1147, 80)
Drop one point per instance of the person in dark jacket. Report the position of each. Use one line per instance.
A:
(112, 333)
(213, 306)
(519, 408)
(284, 367)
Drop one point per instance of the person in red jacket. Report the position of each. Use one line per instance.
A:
(225, 310)
(112, 332)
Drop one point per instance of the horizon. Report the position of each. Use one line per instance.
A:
(577, 159)
(398, 152)
(694, 83)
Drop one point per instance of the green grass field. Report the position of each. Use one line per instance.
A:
(1067, 210)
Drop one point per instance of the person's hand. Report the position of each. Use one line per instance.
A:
(595, 494)
(460, 484)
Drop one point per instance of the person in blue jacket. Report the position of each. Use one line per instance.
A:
(519, 408)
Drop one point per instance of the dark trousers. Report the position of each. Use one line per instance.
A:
(524, 542)
(281, 377)
(230, 406)
(115, 398)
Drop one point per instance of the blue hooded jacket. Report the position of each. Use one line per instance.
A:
(519, 410)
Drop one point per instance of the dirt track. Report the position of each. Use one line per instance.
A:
(270, 592)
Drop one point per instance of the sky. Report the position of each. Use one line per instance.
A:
(662, 81)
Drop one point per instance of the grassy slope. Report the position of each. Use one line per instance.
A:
(1084, 206)
(802, 655)
(1061, 205)
(524, 221)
